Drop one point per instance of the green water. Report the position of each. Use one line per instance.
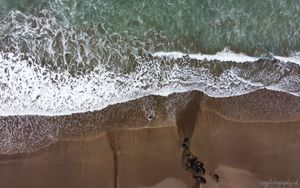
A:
(253, 27)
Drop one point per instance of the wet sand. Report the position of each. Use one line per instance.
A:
(247, 140)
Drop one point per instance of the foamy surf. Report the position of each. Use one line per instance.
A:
(50, 68)
(29, 89)
(227, 55)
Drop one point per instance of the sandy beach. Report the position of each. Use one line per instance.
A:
(249, 141)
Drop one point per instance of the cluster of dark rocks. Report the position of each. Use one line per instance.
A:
(193, 165)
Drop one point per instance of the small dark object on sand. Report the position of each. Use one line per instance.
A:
(216, 177)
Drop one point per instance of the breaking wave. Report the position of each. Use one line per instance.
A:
(48, 67)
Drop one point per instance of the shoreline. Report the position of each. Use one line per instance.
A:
(152, 111)
(137, 143)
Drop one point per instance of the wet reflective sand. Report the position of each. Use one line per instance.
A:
(247, 140)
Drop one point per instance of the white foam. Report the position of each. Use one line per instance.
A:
(225, 55)
(33, 90)
(294, 58)
(30, 89)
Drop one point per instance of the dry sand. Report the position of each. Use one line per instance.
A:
(248, 140)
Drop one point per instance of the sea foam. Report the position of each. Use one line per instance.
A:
(28, 88)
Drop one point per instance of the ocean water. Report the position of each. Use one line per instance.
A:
(67, 56)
